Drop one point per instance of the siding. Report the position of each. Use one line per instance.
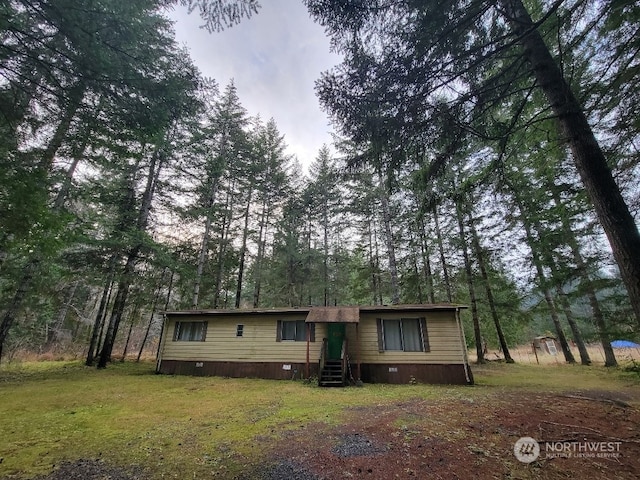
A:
(444, 340)
(258, 343)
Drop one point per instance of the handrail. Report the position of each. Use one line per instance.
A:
(323, 357)
(344, 357)
(343, 352)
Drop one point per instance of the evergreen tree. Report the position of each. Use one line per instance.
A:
(404, 57)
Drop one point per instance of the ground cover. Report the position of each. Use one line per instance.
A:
(61, 420)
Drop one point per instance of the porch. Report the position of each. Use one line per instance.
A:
(335, 362)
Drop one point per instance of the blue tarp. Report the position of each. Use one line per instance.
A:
(624, 344)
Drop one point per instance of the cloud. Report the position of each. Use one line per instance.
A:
(274, 59)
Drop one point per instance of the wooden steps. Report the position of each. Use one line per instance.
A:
(332, 374)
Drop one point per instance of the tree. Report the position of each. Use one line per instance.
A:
(480, 256)
(89, 96)
(404, 55)
(325, 203)
(221, 14)
(223, 145)
(73, 69)
(271, 186)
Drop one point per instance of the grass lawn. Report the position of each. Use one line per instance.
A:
(196, 427)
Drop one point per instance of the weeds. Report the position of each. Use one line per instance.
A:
(202, 426)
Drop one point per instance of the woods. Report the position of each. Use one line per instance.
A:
(486, 154)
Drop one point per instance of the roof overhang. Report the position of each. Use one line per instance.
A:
(333, 315)
(346, 314)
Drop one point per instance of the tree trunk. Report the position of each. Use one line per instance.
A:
(416, 273)
(477, 334)
(4, 236)
(325, 259)
(603, 331)
(243, 249)
(63, 193)
(77, 154)
(166, 308)
(126, 344)
(118, 308)
(391, 251)
(426, 263)
(12, 310)
(568, 355)
(577, 335)
(222, 249)
(155, 167)
(76, 94)
(492, 304)
(54, 335)
(100, 316)
(597, 178)
(46, 161)
(562, 296)
(258, 264)
(443, 260)
(373, 263)
(156, 297)
(202, 258)
(598, 317)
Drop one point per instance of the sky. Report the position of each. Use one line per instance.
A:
(274, 59)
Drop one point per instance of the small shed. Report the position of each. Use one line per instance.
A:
(546, 344)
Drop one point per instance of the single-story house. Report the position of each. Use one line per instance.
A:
(376, 344)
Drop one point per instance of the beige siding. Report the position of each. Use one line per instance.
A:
(444, 340)
(258, 343)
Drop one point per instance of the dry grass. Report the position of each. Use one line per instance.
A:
(70, 353)
(524, 354)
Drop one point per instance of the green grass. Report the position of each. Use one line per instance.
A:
(179, 426)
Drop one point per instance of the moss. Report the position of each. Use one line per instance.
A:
(200, 426)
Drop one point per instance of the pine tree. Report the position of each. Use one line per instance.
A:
(405, 56)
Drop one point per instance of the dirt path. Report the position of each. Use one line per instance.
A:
(590, 434)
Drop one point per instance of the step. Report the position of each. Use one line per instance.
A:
(332, 384)
(332, 374)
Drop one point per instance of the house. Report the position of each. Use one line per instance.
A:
(376, 344)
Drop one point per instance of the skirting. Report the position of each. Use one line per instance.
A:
(370, 372)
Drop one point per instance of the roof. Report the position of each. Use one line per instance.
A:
(347, 310)
(334, 315)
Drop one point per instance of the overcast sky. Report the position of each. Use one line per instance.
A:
(274, 58)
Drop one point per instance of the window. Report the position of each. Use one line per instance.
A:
(190, 332)
(294, 330)
(405, 335)
(239, 330)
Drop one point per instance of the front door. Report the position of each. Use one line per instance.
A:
(336, 333)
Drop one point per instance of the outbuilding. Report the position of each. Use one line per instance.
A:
(545, 344)
(338, 345)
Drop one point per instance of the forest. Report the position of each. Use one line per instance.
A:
(486, 154)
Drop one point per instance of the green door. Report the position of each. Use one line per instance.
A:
(336, 332)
